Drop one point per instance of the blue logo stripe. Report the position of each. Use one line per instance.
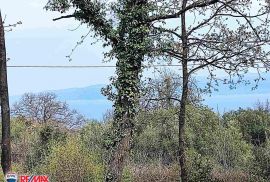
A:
(31, 178)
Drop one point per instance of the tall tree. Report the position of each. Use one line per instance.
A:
(126, 33)
(5, 110)
(130, 53)
(44, 108)
(222, 37)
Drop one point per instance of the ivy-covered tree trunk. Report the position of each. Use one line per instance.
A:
(127, 34)
(131, 49)
(126, 102)
(122, 132)
(5, 111)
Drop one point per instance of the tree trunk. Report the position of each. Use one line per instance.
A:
(134, 30)
(119, 157)
(5, 110)
(123, 124)
(125, 107)
(182, 120)
(182, 113)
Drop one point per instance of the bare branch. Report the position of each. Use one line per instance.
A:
(64, 17)
(160, 99)
(196, 4)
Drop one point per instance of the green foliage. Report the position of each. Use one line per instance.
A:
(211, 143)
(40, 148)
(254, 124)
(156, 136)
(49, 133)
(71, 161)
(18, 129)
(92, 135)
(231, 150)
(225, 144)
(261, 163)
(200, 167)
(91, 13)
(200, 130)
(22, 139)
(217, 149)
(127, 175)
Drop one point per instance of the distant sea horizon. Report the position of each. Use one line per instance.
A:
(93, 105)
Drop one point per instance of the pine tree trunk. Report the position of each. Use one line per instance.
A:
(182, 114)
(5, 110)
(182, 146)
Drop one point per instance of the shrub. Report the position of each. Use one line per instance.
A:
(156, 137)
(154, 173)
(40, 146)
(92, 136)
(199, 167)
(254, 124)
(70, 161)
(261, 163)
(230, 149)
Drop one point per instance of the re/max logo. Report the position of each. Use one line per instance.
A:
(34, 179)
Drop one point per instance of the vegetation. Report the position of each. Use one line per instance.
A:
(220, 148)
(142, 30)
(44, 108)
(159, 131)
(127, 35)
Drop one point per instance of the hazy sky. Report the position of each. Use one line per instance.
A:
(40, 41)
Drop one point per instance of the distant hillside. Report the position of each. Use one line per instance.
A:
(243, 96)
(87, 93)
(87, 100)
(90, 102)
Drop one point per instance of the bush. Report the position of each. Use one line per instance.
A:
(23, 138)
(202, 123)
(261, 163)
(230, 149)
(153, 173)
(92, 136)
(209, 136)
(40, 146)
(127, 175)
(70, 161)
(254, 124)
(199, 167)
(156, 137)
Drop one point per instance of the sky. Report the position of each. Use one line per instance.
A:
(41, 41)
